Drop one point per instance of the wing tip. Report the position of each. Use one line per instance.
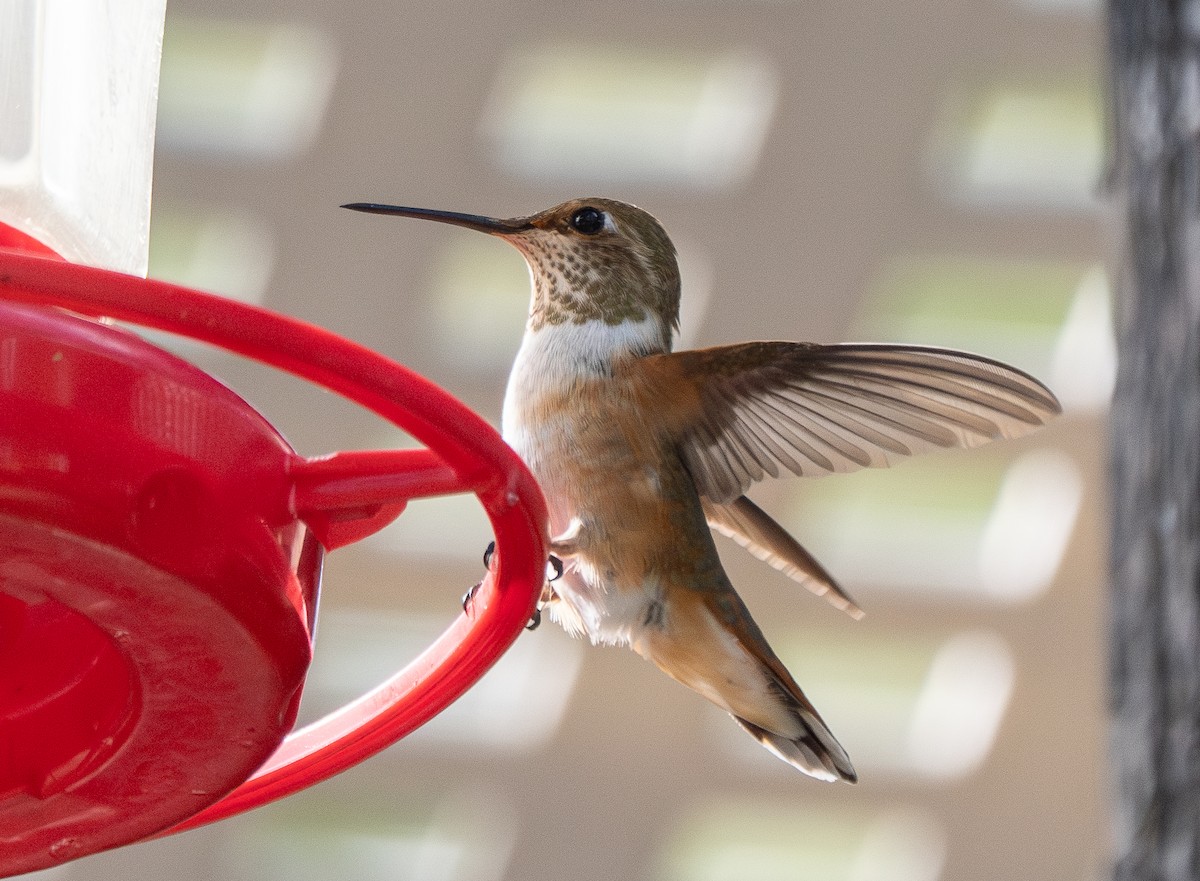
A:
(750, 527)
(853, 611)
(826, 588)
(834, 594)
(1024, 384)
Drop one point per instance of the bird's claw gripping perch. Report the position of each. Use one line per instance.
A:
(468, 596)
(553, 565)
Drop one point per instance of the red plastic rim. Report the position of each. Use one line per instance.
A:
(465, 454)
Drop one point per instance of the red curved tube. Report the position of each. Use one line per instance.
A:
(477, 460)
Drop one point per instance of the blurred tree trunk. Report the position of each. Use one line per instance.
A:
(1155, 77)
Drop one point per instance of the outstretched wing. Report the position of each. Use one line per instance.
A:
(751, 527)
(743, 411)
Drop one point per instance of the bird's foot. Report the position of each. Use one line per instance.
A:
(554, 566)
(469, 596)
(554, 571)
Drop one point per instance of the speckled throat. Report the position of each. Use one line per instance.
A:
(578, 282)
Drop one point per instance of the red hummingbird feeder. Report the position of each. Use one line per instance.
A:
(161, 548)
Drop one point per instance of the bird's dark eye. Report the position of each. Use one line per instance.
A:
(588, 221)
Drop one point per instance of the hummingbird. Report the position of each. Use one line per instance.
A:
(642, 452)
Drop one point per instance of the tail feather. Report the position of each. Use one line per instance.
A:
(709, 642)
(787, 722)
(815, 752)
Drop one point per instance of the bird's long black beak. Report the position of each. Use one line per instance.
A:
(492, 225)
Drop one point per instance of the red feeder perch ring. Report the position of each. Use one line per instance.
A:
(160, 551)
